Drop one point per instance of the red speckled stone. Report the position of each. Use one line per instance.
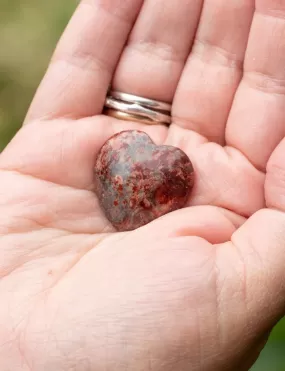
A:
(137, 181)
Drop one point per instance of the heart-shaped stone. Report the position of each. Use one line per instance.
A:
(137, 181)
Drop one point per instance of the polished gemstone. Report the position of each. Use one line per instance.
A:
(137, 181)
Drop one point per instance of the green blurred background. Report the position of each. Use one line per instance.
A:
(29, 30)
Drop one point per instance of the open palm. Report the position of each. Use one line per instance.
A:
(198, 289)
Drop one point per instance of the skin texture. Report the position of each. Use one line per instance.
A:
(137, 181)
(197, 289)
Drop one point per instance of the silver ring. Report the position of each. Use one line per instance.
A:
(136, 109)
(142, 109)
(145, 102)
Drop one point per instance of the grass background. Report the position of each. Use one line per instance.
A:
(29, 30)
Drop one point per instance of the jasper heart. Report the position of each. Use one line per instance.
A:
(137, 181)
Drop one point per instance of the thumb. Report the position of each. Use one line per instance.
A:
(261, 245)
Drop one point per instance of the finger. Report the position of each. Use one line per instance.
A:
(79, 75)
(256, 123)
(213, 71)
(153, 60)
(257, 253)
(250, 280)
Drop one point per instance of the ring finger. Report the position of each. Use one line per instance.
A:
(159, 44)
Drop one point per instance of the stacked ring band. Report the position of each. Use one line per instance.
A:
(134, 108)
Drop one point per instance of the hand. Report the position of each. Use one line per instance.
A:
(198, 289)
